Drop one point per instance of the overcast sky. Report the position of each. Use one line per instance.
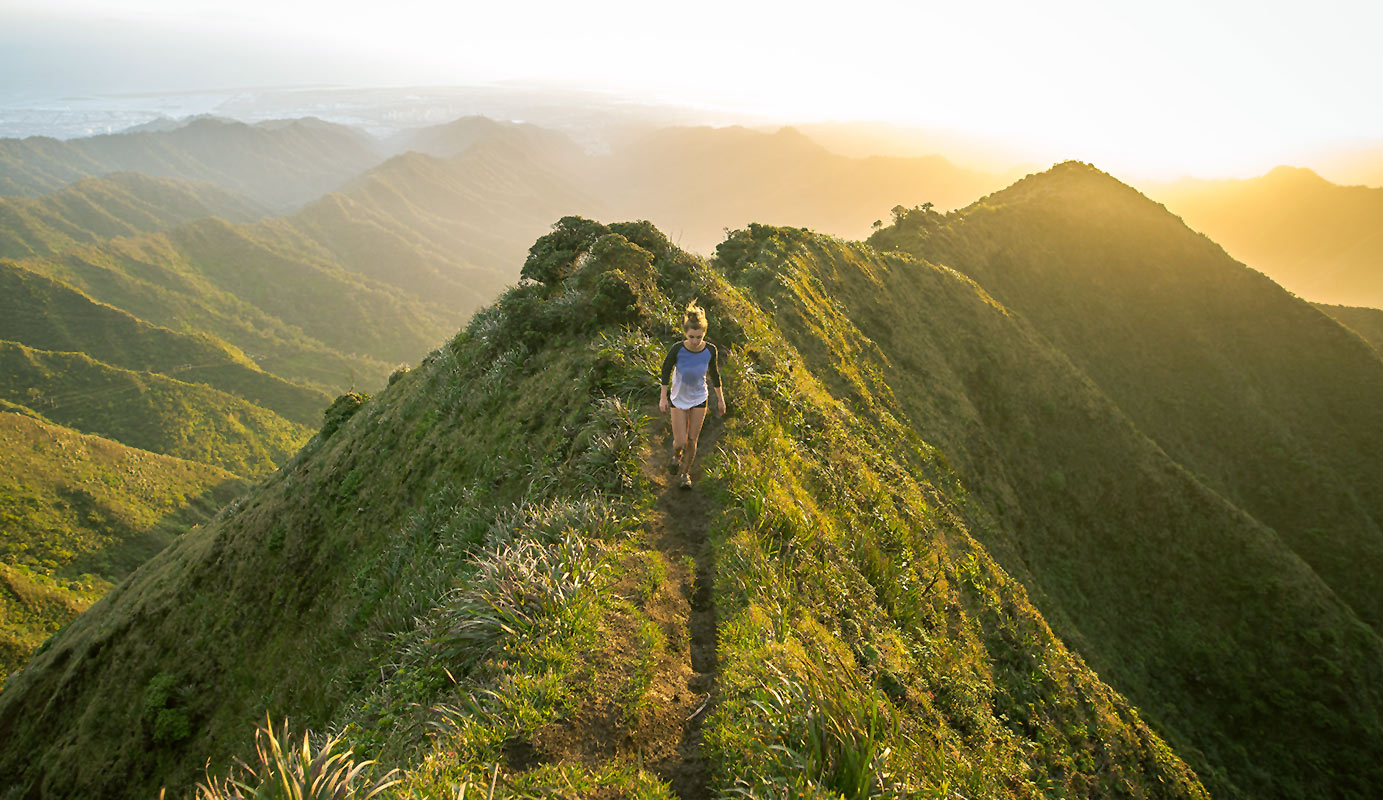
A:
(1183, 84)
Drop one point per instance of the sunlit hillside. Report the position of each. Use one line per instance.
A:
(80, 513)
(1320, 240)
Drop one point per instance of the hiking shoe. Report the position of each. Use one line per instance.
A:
(674, 465)
(686, 480)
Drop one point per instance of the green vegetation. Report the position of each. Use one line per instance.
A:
(119, 204)
(79, 514)
(286, 770)
(147, 410)
(45, 314)
(1258, 394)
(501, 633)
(136, 313)
(1367, 322)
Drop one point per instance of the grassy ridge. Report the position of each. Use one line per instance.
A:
(382, 270)
(274, 268)
(448, 229)
(149, 279)
(79, 514)
(1367, 322)
(861, 611)
(147, 410)
(1268, 401)
(958, 545)
(45, 314)
(119, 204)
(1191, 608)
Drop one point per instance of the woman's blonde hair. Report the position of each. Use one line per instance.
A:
(694, 317)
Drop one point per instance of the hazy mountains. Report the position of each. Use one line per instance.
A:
(1320, 240)
(280, 163)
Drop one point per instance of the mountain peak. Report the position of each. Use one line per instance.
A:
(1284, 174)
(1067, 179)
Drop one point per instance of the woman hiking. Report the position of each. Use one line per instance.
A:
(694, 361)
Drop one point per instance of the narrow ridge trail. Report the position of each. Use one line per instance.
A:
(679, 692)
(679, 530)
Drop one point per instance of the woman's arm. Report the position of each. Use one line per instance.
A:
(669, 362)
(713, 378)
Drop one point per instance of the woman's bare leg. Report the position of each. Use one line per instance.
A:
(679, 432)
(695, 416)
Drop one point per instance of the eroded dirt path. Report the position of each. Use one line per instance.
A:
(679, 531)
(665, 735)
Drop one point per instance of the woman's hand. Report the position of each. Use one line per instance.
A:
(662, 403)
(720, 406)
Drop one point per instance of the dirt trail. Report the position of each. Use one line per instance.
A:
(665, 737)
(679, 530)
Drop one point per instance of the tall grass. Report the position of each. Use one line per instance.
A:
(286, 769)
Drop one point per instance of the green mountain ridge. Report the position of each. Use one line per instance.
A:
(1367, 322)
(949, 539)
(1257, 392)
(147, 410)
(233, 283)
(381, 269)
(80, 513)
(495, 455)
(118, 204)
(46, 314)
(445, 228)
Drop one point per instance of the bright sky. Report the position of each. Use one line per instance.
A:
(1214, 87)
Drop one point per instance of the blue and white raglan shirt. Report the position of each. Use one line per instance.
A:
(693, 369)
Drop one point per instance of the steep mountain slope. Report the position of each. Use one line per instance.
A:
(280, 163)
(1268, 401)
(1367, 322)
(696, 182)
(264, 288)
(147, 410)
(1322, 241)
(1232, 648)
(79, 514)
(451, 229)
(46, 314)
(473, 578)
(119, 204)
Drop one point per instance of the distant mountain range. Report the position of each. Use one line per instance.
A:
(1317, 239)
(281, 163)
(1322, 241)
